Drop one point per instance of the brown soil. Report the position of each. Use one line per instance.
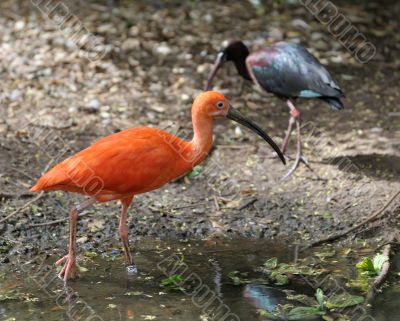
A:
(54, 102)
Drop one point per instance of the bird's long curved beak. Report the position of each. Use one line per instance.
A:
(236, 116)
(218, 63)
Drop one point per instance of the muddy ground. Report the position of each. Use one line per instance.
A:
(54, 101)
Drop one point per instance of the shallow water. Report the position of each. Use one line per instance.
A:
(106, 292)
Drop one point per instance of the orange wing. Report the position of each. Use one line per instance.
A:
(132, 161)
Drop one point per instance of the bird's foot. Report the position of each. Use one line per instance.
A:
(69, 269)
(132, 269)
(299, 159)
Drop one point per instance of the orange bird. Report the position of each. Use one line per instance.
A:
(135, 161)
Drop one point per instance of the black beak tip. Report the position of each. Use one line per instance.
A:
(239, 118)
(282, 157)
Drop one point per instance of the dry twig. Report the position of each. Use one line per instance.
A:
(383, 274)
(371, 218)
(22, 208)
(57, 221)
(6, 195)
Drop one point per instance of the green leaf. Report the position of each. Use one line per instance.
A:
(173, 282)
(90, 254)
(280, 279)
(320, 298)
(195, 171)
(238, 278)
(296, 269)
(305, 313)
(10, 295)
(302, 298)
(265, 313)
(361, 283)
(366, 265)
(271, 263)
(378, 261)
(343, 300)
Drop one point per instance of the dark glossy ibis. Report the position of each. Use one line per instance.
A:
(287, 70)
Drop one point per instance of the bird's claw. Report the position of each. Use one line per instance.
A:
(305, 161)
(299, 159)
(69, 269)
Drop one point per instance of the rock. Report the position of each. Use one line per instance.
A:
(163, 50)
(130, 44)
(19, 25)
(316, 36)
(15, 94)
(185, 97)
(93, 105)
(238, 132)
(275, 33)
(201, 68)
(321, 45)
(299, 23)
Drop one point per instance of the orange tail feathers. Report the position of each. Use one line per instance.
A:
(35, 188)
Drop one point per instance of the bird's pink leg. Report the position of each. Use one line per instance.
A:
(294, 118)
(123, 233)
(69, 269)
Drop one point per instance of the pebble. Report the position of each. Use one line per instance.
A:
(299, 23)
(185, 97)
(15, 94)
(163, 50)
(93, 105)
(130, 44)
(19, 25)
(238, 132)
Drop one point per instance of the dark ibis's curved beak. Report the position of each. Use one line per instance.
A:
(221, 57)
(236, 116)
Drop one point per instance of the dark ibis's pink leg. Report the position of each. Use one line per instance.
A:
(69, 269)
(294, 118)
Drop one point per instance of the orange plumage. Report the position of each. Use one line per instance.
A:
(124, 164)
(135, 160)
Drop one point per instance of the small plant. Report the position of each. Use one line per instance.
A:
(367, 269)
(279, 278)
(195, 171)
(238, 278)
(342, 300)
(278, 273)
(374, 266)
(173, 282)
(319, 295)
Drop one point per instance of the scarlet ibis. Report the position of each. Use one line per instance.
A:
(287, 70)
(135, 161)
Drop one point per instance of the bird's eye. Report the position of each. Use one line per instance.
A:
(220, 104)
